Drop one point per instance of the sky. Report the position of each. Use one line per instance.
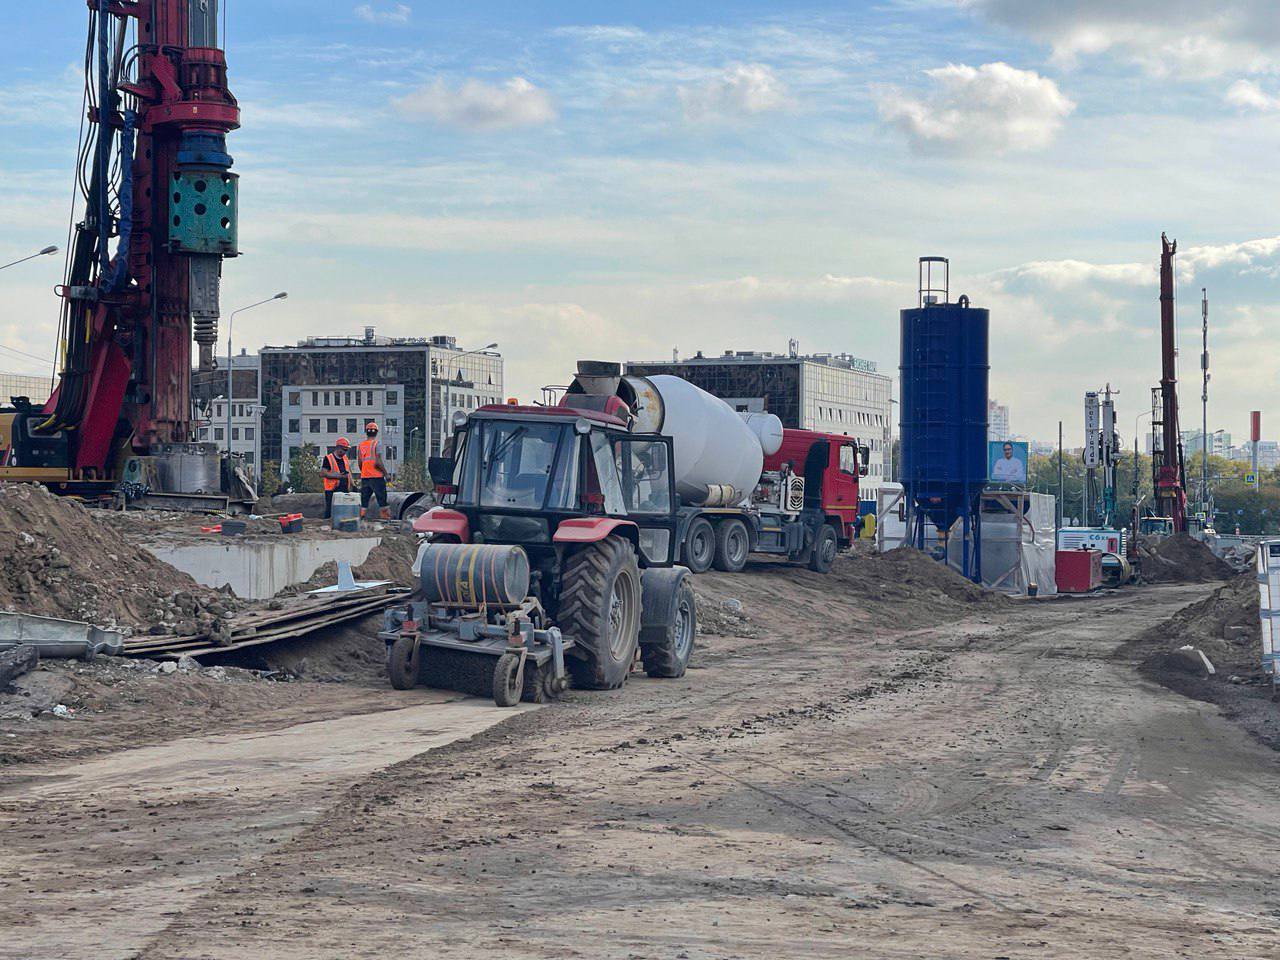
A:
(620, 181)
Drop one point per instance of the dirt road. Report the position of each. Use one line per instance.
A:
(997, 786)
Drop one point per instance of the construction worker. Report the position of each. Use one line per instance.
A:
(335, 472)
(373, 473)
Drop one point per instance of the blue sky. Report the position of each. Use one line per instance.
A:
(722, 175)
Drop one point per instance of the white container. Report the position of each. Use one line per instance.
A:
(346, 511)
(714, 447)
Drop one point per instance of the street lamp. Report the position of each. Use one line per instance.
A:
(444, 412)
(46, 252)
(231, 321)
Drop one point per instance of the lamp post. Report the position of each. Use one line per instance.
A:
(231, 321)
(46, 252)
(444, 411)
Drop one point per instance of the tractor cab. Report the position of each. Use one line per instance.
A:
(544, 477)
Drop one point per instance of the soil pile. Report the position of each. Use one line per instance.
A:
(56, 560)
(1180, 559)
(1226, 625)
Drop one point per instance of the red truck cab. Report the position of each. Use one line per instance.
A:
(832, 466)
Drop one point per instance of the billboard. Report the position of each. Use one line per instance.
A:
(1007, 461)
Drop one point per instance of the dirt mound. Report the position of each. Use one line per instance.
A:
(57, 560)
(1226, 625)
(346, 653)
(1180, 559)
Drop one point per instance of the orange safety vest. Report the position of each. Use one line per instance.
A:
(331, 464)
(367, 451)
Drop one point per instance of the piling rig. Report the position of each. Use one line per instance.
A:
(1167, 462)
(144, 262)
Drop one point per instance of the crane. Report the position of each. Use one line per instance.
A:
(144, 267)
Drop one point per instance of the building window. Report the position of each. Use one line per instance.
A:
(391, 453)
(348, 398)
(315, 425)
(295, 397)
(351, 424)
(315, 398)
(326, 398)
(248, 457)
(393, 397)
(369, 394)
(333, 425)
(295, 426)
(217, 433)
(235, 433)
(248, 433)
(392, 422)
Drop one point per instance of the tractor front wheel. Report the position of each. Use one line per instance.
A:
(404, 660)
(600, 609)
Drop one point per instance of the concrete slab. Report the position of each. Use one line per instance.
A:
(256, 569)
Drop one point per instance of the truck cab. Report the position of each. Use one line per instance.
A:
(832, 467)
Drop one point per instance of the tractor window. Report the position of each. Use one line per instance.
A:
(645, 475)
(516, 463)
(607, 475)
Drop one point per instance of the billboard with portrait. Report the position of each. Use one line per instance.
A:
(1007, 461)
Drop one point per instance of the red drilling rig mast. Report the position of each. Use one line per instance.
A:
(1168, 467)
(144, 265)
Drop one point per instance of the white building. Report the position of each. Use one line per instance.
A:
(998, 421)
(1219, 443)
(244, 433)
(838, 394)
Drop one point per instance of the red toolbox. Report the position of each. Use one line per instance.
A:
(1078, 571)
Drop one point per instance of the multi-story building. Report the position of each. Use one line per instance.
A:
(35, 389)
(838, 394)
(1268, 454)
(998, 421)
(209, 404)
(1219, 443)
(329, 387)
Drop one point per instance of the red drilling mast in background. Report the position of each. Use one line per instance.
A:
(144, 265)
(1167, 460)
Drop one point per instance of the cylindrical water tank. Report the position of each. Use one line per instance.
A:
(714, 447)
(466, 573)
(944, 371)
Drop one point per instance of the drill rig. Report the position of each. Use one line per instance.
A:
(144, 263)
(1168, 468)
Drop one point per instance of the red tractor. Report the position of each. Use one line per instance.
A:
(552, 559)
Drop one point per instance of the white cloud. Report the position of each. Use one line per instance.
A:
(1164, 37)
(1247, 95)
(743, 90)
(480, 106)
(396, 13)
(828, 288)
(994, 107)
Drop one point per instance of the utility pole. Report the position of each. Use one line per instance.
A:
(1204, 404)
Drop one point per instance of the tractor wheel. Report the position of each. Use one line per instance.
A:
(699, 545)
(506, 690)
(824, 550)
(733, 544)
(600, 609)
(404, 660)
(670, 622)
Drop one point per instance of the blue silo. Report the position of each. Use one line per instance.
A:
(944, 371)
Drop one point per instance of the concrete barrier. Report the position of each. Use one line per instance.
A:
(256, 570)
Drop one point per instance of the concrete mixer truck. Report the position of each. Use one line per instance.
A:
(744, 483)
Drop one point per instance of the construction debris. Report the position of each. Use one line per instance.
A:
(15, 662)
(57, 560)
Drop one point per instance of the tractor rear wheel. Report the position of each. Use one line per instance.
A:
(733, 545)
(600, 609)
(700, 545)
(404, 660)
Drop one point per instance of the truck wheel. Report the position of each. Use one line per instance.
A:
(404, 660)
(699, 545)
(824, 550)
(670, 622)
(600, 609)
(506, 692)
(733, 544)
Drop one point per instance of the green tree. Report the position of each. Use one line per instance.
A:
(269, 485)
(304, 470)
(413, 473)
